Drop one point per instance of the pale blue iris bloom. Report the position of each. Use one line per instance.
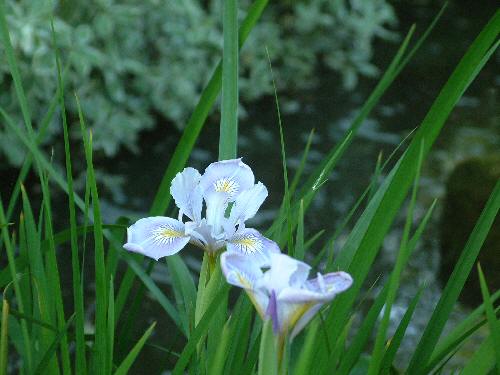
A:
(228, 184)
(279, 288)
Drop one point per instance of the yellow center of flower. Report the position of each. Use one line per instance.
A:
(248, 244)
(166, 234)
(226, 185)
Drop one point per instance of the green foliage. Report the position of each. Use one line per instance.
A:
(219, 339)
(136, 65)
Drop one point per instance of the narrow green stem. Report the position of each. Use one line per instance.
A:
(229, 108)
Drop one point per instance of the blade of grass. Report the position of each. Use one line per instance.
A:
(196, 121)
(51, 352)
(4, 344)
(394, 69)
(132, 355)
(364, 333)
(200, 331)
(222, 351)
(99, 358)
(14, 70)
(456, 282)
(394, 281)
(286, 197)
(111, 327)
(52, 269)
(268, 358)
(302, 164)
(80, 361)
(491, 316)
(459, 334)
(299, 241)
(28, 365)
(228, 138)
(44, 309)
(155, 291)
(355, 349)
(483, 360)
(395, 342)
(29, 158)
(305, 360)
(240, 331)
(33, 320)
(394, 189)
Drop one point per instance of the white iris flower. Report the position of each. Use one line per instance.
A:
(278, 287)
(227, 183)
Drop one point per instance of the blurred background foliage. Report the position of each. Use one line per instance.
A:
(139, 64)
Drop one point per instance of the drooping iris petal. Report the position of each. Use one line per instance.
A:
(248, 203)
(333, 282)
(284, 272)
(156, 237)
(226, 178)
(321, 289)
(240, 272)
(305, 318)
(254, 245)
(187, 193)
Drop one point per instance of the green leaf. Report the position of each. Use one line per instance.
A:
(201, 330)
(396, 340)
(228, 137)
(99, 357)
(299, 241)
(4, 344)
(355, 349)
(268, 356)
(483, 360)
(305, 360)
(403, 255)
(154, 290)
(491, 316)
(51, 351)
(459, 334)
(80, 363)
(111, 327)
(456, 282)
(394, 189)
(197, 120)
(17, 290)
(132, 355)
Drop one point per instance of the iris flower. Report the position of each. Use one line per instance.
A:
(227, 185)
(279, 288)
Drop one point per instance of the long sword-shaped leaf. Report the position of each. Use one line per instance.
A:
(99, 359)
(490, 314)
(80, 363)
(132, 355)
(455, 283)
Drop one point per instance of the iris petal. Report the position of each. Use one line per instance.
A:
(248, 203)
(254, 245)
(240, 272)
(285, 271)
(156, 237)
(227, 178)
(186, 191)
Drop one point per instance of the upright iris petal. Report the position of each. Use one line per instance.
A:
(187, 194)
(224, 182)
(279, 286)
